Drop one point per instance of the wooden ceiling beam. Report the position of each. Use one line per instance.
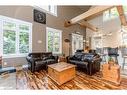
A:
(89, 13)
(121, 15)
(88, 25)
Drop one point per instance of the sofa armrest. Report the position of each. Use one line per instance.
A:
(67, 58)
(97, 60)
(28, 58)
(56, 58)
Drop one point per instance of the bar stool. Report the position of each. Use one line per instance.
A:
(113, 52)
(124, 55)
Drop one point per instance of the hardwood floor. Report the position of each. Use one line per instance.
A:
(39, 80)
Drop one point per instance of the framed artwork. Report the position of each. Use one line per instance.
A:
(39, 16)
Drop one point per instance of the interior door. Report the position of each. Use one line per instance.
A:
(76, 42)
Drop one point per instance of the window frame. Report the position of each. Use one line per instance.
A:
(74, 36)
(110, 15)
(17, 22)
(48, 11)
(54, 30)
(124, 33)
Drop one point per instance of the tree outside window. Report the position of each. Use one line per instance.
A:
(24, 39)
(15, 36)
(54, 40)
(9, 40)
(110, 14)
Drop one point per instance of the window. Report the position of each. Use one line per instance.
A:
(110, 14)
(52, 9)
(97, 42)
(15, 37)
(124, 36)
(54, 40)
(125, 9)
(77, 42)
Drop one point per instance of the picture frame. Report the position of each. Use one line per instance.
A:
(39, 16)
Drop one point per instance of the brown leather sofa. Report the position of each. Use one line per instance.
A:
(37, 61)
(88, 62)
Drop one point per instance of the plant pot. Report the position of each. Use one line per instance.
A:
(111, 63)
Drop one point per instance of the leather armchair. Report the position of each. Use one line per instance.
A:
(36, 61)
(89, 62)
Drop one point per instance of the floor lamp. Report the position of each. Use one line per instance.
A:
(68, 41)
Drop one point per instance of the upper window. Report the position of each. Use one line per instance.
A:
(110, 14)
(54, 40)
(15, 37)
(52, 9)
(125, 9)
(124, 35)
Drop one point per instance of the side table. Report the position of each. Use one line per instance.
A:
(62, 59)
(111, 73)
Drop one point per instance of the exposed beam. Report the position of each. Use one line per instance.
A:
(90, 12)
(67, 23)
(88, 25)
(121, 15)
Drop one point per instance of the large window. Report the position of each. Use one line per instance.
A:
(54, 40)
(124, 36)
(110, 14)
(15, 37)
(52, 9)
(125, 9)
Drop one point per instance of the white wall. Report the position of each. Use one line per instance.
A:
(113, 25)
(39, 30)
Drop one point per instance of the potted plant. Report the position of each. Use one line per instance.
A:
(111, 62)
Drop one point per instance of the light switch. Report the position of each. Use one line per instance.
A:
(39, 41)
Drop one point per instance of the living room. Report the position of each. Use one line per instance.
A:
(30, 34)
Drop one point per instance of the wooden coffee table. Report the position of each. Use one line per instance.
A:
(61, 72)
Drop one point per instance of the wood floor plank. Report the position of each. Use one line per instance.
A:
(40, 80)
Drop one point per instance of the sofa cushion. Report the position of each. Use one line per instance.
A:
(81, 63)
(87, 57)
(40, 62)
(76, 62)
(78, 56)
(50, 61)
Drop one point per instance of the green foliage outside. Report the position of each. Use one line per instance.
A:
(9, 41)
(53, 42)
(24, 42)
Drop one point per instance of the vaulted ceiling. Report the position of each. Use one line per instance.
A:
(84, 8)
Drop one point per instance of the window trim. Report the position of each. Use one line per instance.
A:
(110, 15)
(17, 22)
(53, 29)
(47, 11)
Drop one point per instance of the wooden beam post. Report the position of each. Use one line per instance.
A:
(90, 12)
(121, 15)
(88, 25)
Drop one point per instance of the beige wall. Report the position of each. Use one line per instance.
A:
(39, 30)
(105, 27)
